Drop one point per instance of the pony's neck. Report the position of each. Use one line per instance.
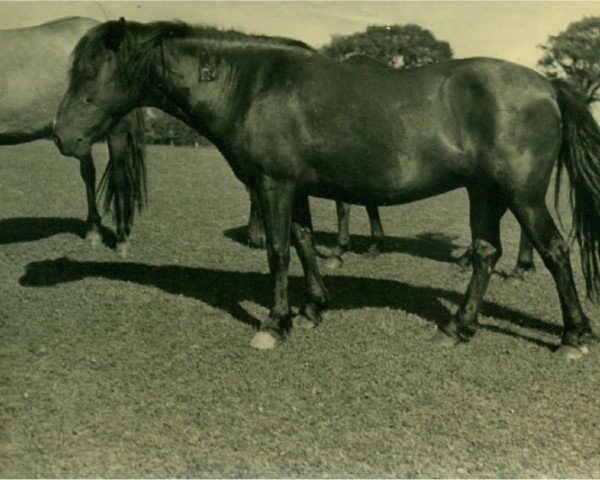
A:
(208, 83)
(198, 86)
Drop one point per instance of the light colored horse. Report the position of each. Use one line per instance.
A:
(34, 66)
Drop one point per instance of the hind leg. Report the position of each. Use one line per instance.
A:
(343, 240)
(525, 258)
(88, 174)
(376, 231)
(539, 226)
(486, 211)
(316, 294)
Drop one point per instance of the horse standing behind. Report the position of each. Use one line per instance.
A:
(34, 65)
(291, 123)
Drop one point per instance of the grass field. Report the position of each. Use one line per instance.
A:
(142, 367)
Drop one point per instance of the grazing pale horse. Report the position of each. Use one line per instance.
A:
(34, 66)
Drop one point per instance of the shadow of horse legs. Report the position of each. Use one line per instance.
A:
(30, 229)
(431, 245)
(226, 289)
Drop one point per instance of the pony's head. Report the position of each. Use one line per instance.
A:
(120, 65)
(98, 95)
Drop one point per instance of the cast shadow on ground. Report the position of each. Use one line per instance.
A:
(431, 245)
(30, 229)
(226, 289)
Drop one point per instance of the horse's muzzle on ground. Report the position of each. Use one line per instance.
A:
(73, 146)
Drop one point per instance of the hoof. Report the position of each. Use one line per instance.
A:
(300, 321)
(263, 341)
(590, 338)
(372, 252)
(443, 340)
(465, 262)
(333, 263)
(93, 238)
(122, 250)
(569, 352)
(520, 273)
(257, 242)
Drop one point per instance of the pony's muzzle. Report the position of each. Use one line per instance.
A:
(72, 147)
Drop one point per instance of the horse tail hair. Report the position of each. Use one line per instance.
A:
(580, 156)
(123, 184)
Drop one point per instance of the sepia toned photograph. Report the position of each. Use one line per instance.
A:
(299, 239)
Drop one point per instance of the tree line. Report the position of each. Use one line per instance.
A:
(572, 55)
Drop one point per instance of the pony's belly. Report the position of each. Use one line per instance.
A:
(384, 193)
(385, 181)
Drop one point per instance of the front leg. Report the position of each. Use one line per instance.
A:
(377, 234)
(275, 199)
(93, 223)
(486, 211)
(316, 295)
(524, 260)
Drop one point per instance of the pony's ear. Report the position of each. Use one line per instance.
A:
(116, 34)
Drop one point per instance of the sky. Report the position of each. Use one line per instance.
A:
(509, 30)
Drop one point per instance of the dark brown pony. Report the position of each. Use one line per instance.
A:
(257, 238)
(34, 65)
(292, 123)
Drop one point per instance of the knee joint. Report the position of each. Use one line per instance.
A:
(303, 235)
(485, 255)
(279, 256)
(558, 249)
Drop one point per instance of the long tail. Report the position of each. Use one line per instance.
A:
(580, 155)
(123, 184)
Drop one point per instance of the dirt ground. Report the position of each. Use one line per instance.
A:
(142, 367)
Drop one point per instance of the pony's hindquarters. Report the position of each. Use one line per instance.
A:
(579, 152)
(509, 128)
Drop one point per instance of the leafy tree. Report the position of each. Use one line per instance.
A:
(399, 46)
(574, 55)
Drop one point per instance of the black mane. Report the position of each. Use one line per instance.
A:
(155, 32)
(141, 38)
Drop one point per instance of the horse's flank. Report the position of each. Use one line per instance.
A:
(34, 62)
